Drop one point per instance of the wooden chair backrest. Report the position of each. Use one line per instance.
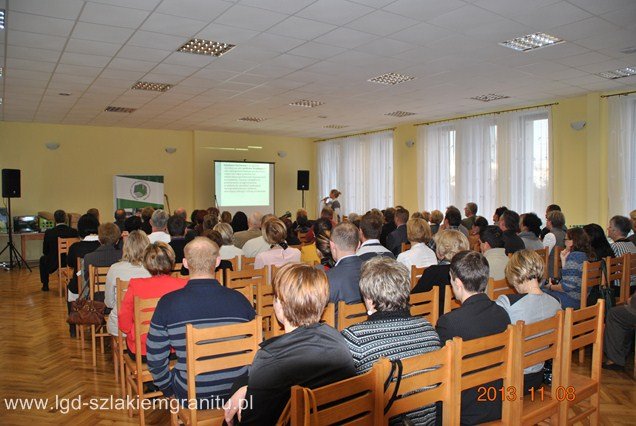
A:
(545, 255)
(272, 270)
(235, 263)
(483, 360)
(63, 244)
(217, 348)
(176, 270)
(264, 299)
(496, 288)
(350, 314)
(426, 379)
(416, 273)
(615, 267)
(96, 279)
(143, 310)
(248, 292)
(355, 401)
(629, 276)
(247, 262)
(122, 288)
(581, 328)
(592, 276)
(404, 247)
(450, 303)
(426, 305)
(245, 277)
(556, 266)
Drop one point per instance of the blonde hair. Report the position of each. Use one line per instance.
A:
(159, 258)
(437, 217)
(226, 231)
(524, 265)
(303, 292)
(134, 247)
(386, 282)
(449, 242)
(426, 215)
(418, 231)
(274, 231)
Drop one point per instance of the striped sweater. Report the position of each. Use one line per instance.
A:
(203, 303)
(395, 335)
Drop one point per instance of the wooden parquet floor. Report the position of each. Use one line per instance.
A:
(38, 359)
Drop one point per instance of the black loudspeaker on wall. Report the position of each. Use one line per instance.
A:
(303, 180)
(11, 183)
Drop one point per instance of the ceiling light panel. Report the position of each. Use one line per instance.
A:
(252, 119)
(531, 42)
(155, 87)
(623, 72)
(206, 47)
(489, 97)
(306, 103)
(400, 114)
(111, 108)
(391, 78)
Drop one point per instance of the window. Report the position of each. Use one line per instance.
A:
(621, 155)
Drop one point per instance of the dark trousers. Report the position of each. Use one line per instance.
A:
(619, 332)
(46, 268)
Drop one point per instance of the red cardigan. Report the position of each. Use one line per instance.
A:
(145, 288)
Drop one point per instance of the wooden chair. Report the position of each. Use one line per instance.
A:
(581, 328)
(545, 255)
(136, 372)
(350, 314)
(481, 361)
(426, 379)
(265, 308)
(404, 247)
(629, 275)
(355, 401)
(252, 277)
(235, 263)
(450, 303)
(592, 277)
(496, 288)
(247, 262)
(556, 266)
(176, 270)
(426, 305)
(63, 272)
(118, 343)
(535, 343)
(416, 273)
(615, 273)
(272, 270)
(212, 349)
(248, 292)
(97, 284)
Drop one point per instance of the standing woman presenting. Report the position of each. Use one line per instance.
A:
(332, 202)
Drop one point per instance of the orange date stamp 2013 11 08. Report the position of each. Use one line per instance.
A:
(491, 393)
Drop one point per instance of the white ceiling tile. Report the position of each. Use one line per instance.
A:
(105, 33)
(423, 10)
(173, 25)
(584, 28)
(24, 64)
(345, 37)
(227, 34)
(550, 17)
(250, 18)
(66, 78)
(203, 10)
(501, 30)
(373, 3)
(39, 24)
(304, 29)
(282, 6)
(382, 23)
(84, 60)
(121, 74)
(512, 7)
(143, 54)
(212, 74)
(584, 59)
(275, 42)
(174, 69)
(40, 41)
(30, 75)
(189, 60)
(599, 7)
(622, 17)
(291, 61)
(421, 34)
(606, 66)
(78, 70)
(137, 4)
(30, 53)
(96, 13)
(64, 9)
(251, 53)
(316, 50)
(131, 65)
(616, 40)
(272, 71)
(92, 47)
(156, 40)
(336, 12)
(465, 17)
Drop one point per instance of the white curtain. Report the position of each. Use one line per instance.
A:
(621, 155)
(492, 160)
(361, 167)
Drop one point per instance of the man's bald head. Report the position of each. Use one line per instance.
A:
(254, 221)
(201, 256)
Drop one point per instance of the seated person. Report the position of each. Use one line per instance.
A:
(555, 237)
(473, 236)
(274, 233)
(370, 230)
(509, 225)
(239, 222)
(203, 302)
(436, 219)
(130, 266)
(253, 231)
(323, 250)
(419, 255)
(530, 230)
(106, 254)
(619, 333)
(228, 249)
(478, 316)
(159, 224)
(389, 224)
(177, 230)
(308, 252)
(158, 259)
(492, 247)
(448, 243)
(48, 262)
(390, 331)
(618, 229)
(344, 277)
(292, 238)
(258, 244)
(309, 354)
(577, 250)
(399, 235)
(524, 272)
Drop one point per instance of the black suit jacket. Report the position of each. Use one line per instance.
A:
(396, 238)
(178, 244)
(49, 245)
(387, 228)
(512, 242)
(344, 280)
(477, 317)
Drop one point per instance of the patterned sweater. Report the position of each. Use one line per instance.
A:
(393, 335)
(572, 274)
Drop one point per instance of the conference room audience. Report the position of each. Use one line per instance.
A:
(130, 266)
(426, 215)
(302, 223)
(309, 354)
(619, 227)
(87, 230)
(390, 331)
(159, 224)
(177, 231)
(120, 219)
(398, 236)
(308, 252)
(258, 244)
(509, 225)
(106, 254)
(253, 231)
(198, 222)
(228, 250)
(530, 225)
(546, 229)
(577, 250)
(470, 211)
(473, 237)
(323, 250)
(48, 260)
(453, 220)
(419, 255)
(389, 224)
(492, 247)
(478, 316)
(344, 276)
(555, 223)
(239, 222)
(202, 302)
(146, 214)
(499, 211)
(448, 243)
(601, 248)
(292, 238)
(436, 219)
(524, 272)
(369, 233)
(226, 217)
(274, 234)
(94, 212)
(132, 223)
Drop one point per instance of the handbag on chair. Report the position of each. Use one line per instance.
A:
(86, 312)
